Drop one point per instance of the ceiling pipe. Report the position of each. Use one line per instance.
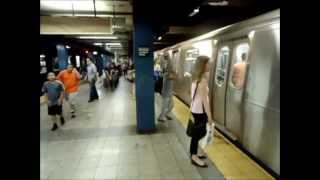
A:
(72, 9)
(94, 6)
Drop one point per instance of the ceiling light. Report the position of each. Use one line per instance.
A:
(221, 3)
(116, 26)
(87, 52)
(251, 34)
(98, 44)
(95, 52)
(195, 11)
(159, 38)
(42, 55)
(113, 44)
(98, 37)
(68, 47)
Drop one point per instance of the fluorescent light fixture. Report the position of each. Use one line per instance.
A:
(42, 56)
(195, 11)
(98, 44)
(116, 26)
(159, 38)
(56, 5)
(78, 61)
(98, 37)
(68, 47)
(251, 34)
(187, 74)
(113, 44)
(95, 52)
(221, 3)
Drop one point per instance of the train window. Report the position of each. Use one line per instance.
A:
(191, 56)
(223, 56)
(204, 47)
(175, 60)
(239, 65)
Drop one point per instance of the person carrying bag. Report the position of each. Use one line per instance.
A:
(200, 109)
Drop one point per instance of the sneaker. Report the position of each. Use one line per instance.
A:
(62, 121)
(54, 127)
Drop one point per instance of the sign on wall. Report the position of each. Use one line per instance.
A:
(143, 51)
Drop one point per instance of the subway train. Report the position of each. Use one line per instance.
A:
(244, 82)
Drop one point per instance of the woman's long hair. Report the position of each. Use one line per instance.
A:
(199, 68)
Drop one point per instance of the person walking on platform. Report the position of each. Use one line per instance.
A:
(199, 108)
(71, 80)
(92, 78)
(54, 90)
(167, 91)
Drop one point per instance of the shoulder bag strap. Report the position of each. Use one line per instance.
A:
(195, 92)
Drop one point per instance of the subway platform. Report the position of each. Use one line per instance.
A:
(102, 143)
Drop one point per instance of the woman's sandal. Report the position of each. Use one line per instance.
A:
(195, 163)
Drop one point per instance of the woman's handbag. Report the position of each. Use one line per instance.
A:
(191, 127)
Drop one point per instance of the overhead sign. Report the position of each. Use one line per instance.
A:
(75, 25)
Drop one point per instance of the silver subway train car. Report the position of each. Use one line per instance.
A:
(244, 81)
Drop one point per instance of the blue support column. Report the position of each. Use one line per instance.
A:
(62, 57)
(144, 82)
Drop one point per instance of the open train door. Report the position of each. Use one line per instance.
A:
(235, 87)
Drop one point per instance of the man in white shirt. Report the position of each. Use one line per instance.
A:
(167, 89)
(92, 78)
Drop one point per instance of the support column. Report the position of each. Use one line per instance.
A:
(144, 82)
(62, 57)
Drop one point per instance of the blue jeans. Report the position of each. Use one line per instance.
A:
(93, 90)
(167, 106)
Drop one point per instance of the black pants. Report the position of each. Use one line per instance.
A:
(93, 90)
(200, 121)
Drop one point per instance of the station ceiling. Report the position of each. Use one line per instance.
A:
(172, 18)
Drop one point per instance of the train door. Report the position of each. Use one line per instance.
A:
(175, 60)
(236, 81)
(175, 67)
(221, 73)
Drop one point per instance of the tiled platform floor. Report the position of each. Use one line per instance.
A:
(102, 143)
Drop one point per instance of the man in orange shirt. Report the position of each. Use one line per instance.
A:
(71, 80)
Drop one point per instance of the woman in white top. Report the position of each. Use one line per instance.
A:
(199, 108)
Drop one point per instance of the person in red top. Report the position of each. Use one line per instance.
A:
(71, 80)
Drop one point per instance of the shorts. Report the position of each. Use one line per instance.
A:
(55, 110)
(71, 97)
